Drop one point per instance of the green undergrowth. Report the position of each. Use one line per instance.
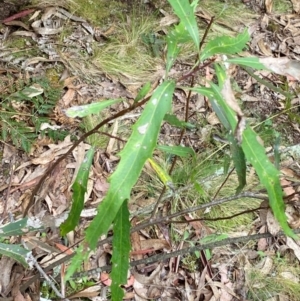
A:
(25, 108)
(282, 280)
(72, 287)
(202, 181)
(125, 55)
(94, 11)
(205, 181)
(282, 6)
(98, 140)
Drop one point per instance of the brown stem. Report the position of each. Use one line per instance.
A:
(75, 144)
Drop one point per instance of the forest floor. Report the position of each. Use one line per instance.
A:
(53, 58)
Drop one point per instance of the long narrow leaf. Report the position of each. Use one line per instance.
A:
(225, 45)
(121, 249)
(79, 189)
(255, 154)
(138, 149)
(172, 53)
(268, 176)
(93, 108)
(178, 150)
(143, 92)
(17, 252)
(22, 226)
(252, 62)
(239, 161)
(185, 12)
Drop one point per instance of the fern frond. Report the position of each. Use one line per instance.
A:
(39, 99)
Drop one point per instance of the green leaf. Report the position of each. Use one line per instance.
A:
(213, 238)
(21, 227)
(28, 92)
(225, 45)
(179, 34)
(180, 151)
(239, 161)
(221, 74)
(143, 92)
(162, 174)
(223, 111)
(17, 252)
(268, 176)
(137, 150)
(121, 249)
(252, 62)
(93, 108)
(172, 53)
(185, 12)
(80, 256)
(255, 154)
(174, 121)
(79, 189)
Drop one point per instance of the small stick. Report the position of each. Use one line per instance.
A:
(32, 261)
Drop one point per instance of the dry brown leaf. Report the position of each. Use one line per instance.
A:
(111, 143)
(54, 151)
(283, 66)
(294, 246)
(155, 244)
(273, 225)
(290, 276)
(282, 297)
(140, 290)
(288, 188)
(264, 48)
(68, 97)
(89, 292)
(224, 295)
(18, 296)
(296, 5)
(232, 102)
(101, 185)
(249, 98)
(135, 240)
(215, 291)
(262, 243)
(212, 119)
(37, 27)
(269, 6)
(6, 265)
(18, 23)
(265, 266)
(188, 292)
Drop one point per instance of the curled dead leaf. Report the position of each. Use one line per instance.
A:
(283, 66)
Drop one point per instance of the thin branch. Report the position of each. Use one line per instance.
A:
(198, 247)
(75, 144)
(111, 136)
(8, 192)
(166, 219)
(207, 219)
(223, 183)
(151, 222)
(206, 32)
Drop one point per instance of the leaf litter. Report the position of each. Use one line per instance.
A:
(160, 280)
